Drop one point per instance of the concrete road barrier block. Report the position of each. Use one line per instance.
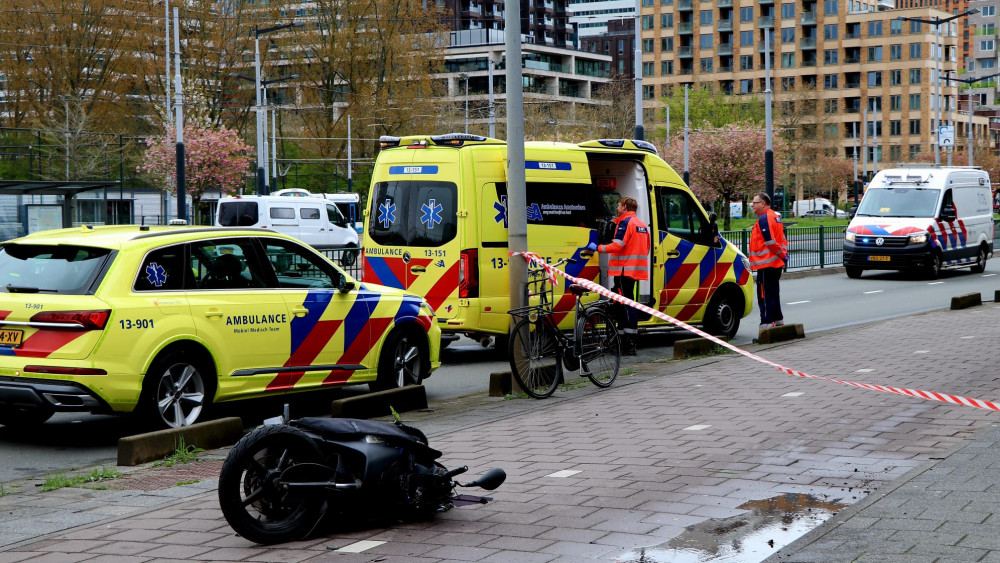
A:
(694, 347)
(500, 383)
(151, 446)
(370, 405)
(966, 301)
(781, 333)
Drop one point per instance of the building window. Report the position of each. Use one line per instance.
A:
(895, 128)
(667, 44)
(647, 69)
(830, 130)
(746, 86)
(914, 76)
(746, 62)
(830, 31)
(706, 64)
(829, 7)
(987, 45)
(648, 92)
(895, 52)
(830, 106)
(830, 81)
(987, 63)
(788, 60)
(914, 101)
(895, 77)
(787, 11)
(787, 82)
(647, 45)
(875, 78)
(666, 21)
(667, 68)
(621, 46)
(914, 127)
(705, 40)
(746, 14)
(875, 54)
(895, 27)
(895, 153)
(746, 39)
(988, 10)
(788, 35)
(914, 151)
(914, 50)
(706, 17)
(915, 27)
(830, 56)
(875, 28)
(895, 102)
(647, 22)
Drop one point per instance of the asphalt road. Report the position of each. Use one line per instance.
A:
(819, 302)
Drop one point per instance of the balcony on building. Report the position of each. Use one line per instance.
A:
(685, 52)
(685, 28)
(761, 49)
(808, 43)
(724, 3)
(685, 5)
(725, 25)
(725, 49)
(765, 21)
(766, 2)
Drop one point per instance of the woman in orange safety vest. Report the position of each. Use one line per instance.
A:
(628, 263)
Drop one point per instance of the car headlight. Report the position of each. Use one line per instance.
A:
(919, 238)
(849, 236)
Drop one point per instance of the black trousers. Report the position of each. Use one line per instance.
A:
(769, 295)
(628, 317)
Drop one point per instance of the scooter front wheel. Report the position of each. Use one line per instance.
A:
(250, 492)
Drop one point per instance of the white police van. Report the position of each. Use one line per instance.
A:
(922, 217)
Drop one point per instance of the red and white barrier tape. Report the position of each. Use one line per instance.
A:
(601, 290)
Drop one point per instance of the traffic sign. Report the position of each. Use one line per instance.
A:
(946, 136)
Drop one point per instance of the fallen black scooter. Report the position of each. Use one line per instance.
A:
(280, 481)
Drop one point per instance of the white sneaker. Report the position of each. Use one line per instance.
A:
(779, 323)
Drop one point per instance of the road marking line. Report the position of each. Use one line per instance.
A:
(967, 337)
(698, 427)
(864, 370)
(793, 394)
(921, 351)
(988, 275)
(798, 302)
(358, 547)
(934, 283)
(876, 291)
(564, 473)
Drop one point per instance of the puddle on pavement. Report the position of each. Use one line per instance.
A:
(769, 525)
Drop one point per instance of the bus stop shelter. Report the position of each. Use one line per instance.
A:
(66, 190)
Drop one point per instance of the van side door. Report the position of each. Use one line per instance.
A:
(687, 256)
(313, 224)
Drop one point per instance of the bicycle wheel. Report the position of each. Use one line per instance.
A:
(599, 346)
(534, 357)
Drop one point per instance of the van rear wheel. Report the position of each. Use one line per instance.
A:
(980, 265)
(722, 315)
(853, 272)
(934, 266)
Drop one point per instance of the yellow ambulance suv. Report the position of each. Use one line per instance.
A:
(437, 225)
(168, 321)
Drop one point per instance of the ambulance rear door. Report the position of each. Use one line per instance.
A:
(413, 226)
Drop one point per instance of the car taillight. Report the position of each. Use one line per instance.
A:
(85, 320)
(64, 371)
(468, 273)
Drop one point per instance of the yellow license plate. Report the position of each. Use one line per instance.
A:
(10, 337)
(878, 258)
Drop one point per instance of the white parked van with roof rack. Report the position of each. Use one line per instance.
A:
(312, 220)
(922, 217)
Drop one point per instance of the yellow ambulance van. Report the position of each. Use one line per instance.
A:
(436, 225)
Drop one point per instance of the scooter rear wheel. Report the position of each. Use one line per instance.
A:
(253, 503)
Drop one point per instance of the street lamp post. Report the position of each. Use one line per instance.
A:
(937, 22)
(465, 77)
(262, 184)
(640, 133)
(971, 81)
(263, 187)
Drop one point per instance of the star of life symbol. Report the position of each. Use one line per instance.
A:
(501, 207)
(155, 274)
(534, 212)
(432, 213)
(387, 213)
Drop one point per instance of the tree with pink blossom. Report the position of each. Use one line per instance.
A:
(214, 159)
(726, 163)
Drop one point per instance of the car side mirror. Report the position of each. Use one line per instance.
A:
(948, 213)
(345, 286)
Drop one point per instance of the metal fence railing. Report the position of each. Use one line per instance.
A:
(812, 247)
(349, 259)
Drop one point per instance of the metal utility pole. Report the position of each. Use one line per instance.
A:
(517, 214)
(855, 163)
(687, 131)
(166, 45)
(493, 114)
(639, 130)
(864, 142)
(262, 183)
(768, 148)
(350, 177)
(179, 106)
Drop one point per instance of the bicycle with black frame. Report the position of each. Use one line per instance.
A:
(539, 350)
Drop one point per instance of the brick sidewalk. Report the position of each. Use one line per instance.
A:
(671, 446)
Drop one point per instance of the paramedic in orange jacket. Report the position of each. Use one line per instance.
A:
(768, 255)
(628, 263)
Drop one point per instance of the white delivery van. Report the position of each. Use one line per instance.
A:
(922, 217)
(816, 207)
(314, 221)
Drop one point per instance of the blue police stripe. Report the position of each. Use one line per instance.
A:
(543, 165)
(413, 170)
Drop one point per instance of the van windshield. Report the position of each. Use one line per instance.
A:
(413, 213)
(899, 202)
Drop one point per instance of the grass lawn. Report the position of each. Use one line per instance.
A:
(745, 223)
